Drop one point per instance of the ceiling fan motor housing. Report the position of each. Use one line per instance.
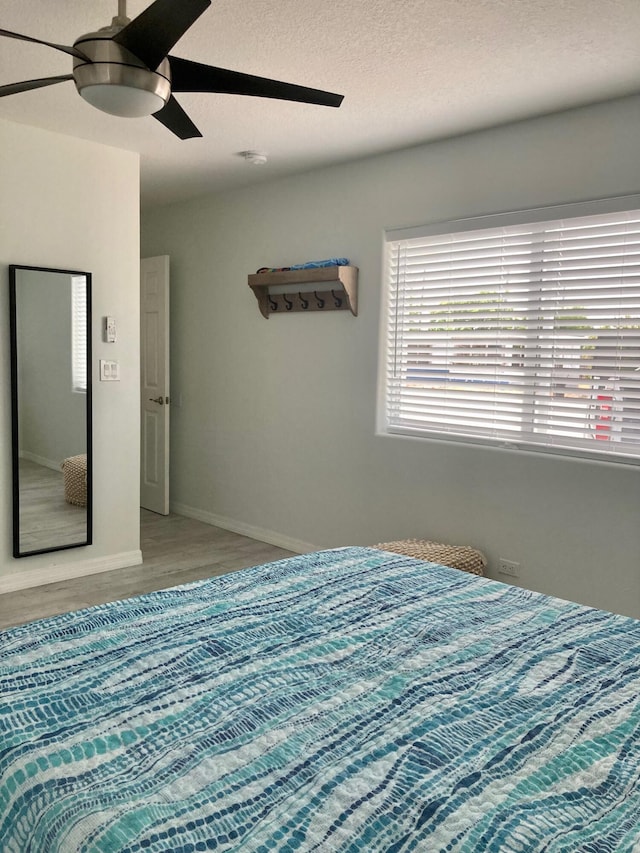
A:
(117, 82)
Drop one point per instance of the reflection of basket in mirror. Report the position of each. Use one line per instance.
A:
(74, 469)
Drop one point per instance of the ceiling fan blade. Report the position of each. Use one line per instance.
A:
(26, 85)
(173, 117)
(188, 76)
(72, 51)
(154, 32)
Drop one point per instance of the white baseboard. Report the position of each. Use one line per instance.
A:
(40, 460)
(259, 533)
(28, 578)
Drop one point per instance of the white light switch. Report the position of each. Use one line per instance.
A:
(109, 371)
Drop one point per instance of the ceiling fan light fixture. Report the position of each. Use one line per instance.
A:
(116, 82)
(125, 101)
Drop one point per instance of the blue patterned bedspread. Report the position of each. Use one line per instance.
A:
(348, 700)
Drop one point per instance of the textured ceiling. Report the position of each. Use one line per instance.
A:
(411, 71)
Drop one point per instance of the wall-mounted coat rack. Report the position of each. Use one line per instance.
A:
(333, 288)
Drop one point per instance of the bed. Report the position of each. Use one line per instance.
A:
(346, 700)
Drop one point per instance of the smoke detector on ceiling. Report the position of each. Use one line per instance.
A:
(255, 157)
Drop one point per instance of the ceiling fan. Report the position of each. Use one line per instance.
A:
(125, 69)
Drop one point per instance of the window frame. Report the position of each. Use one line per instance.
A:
(529, 216)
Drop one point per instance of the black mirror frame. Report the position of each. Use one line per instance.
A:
(15, 457)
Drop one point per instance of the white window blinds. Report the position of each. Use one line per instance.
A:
(522, 334)
(79, 333)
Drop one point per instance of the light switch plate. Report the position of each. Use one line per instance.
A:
(109, 371)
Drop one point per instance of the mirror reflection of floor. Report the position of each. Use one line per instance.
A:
(46, 519)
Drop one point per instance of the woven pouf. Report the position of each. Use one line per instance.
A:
(74, 469)
(457, 556)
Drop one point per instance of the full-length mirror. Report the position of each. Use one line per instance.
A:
(50, 313)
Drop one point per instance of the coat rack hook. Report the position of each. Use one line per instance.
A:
(288, 304)
(318, 300)
(336, 300)
(272, 303)
(304, 302)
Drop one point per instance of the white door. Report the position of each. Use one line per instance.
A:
(154, 384)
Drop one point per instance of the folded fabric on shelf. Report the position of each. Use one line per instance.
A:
(309, 265)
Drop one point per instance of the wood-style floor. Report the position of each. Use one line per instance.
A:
(175, 550)
(46, 519)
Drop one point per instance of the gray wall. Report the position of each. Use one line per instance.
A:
(274, 431)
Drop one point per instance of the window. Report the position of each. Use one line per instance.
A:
(79, 333)
(518, 333)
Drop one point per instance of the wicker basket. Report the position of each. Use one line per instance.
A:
(74, 469)
(457, 556)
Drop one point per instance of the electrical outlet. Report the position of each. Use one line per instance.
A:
(508, 567)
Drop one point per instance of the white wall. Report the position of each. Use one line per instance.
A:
(275, 434)
(70, 204)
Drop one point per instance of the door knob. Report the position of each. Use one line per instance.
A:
(159, 400)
